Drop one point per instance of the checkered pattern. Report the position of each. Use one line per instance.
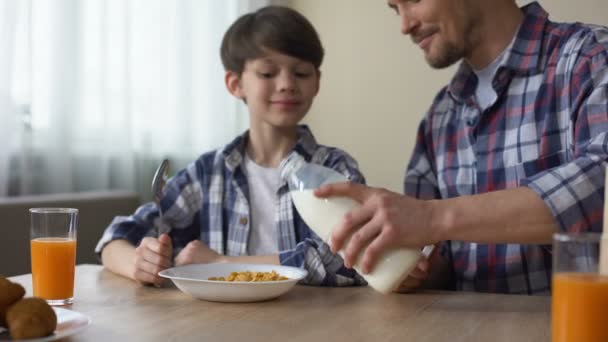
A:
(546, 131)
(208, 200)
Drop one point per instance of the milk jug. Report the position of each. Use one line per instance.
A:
(323, 215)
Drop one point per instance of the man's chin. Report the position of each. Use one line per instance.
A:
(443, 60)
(440, 63)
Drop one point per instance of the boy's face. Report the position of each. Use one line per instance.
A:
(443, 29)
(278, 89)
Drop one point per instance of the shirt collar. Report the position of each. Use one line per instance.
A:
(234, 152)
(521, 57)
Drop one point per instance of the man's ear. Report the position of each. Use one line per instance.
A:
(233, 84)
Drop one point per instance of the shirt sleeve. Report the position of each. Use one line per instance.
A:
(130, 228)
(180, 203)
(324, 268)
(573, 191)
(421, 177)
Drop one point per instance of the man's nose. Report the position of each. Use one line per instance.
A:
(408, 23)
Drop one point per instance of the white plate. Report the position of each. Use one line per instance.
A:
(69, 322)
(193, 280)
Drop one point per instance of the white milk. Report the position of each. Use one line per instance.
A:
(322, 215)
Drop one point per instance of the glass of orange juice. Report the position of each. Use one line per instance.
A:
(579, 304)
(53, 251)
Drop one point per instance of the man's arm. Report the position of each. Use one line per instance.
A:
(507, 216)
(389, 220)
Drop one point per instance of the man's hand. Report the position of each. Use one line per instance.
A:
(152, 256)
(197, 252)
(384, 220)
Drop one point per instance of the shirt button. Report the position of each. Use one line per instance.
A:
(243, 220)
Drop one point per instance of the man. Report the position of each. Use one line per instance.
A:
(511, 151)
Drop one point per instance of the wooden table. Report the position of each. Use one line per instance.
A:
(121, 310)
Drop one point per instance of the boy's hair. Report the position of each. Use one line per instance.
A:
(276, 28)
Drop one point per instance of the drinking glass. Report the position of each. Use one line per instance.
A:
(53, 252)
(579, 304)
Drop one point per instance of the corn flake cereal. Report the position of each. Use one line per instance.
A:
(249, 276)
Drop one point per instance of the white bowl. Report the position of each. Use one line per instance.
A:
(193, 280)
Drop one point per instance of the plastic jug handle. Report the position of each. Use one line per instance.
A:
(427, 250)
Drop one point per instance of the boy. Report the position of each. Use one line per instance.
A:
(233, 204)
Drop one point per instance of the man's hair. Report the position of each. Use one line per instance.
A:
(276, 28)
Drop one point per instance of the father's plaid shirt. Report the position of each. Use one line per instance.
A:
(208, 200)
(547, 131)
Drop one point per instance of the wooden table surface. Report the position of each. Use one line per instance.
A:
(121, 310)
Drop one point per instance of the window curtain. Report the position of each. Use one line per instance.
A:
(94, 93)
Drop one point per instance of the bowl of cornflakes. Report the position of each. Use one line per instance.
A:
(234, 282)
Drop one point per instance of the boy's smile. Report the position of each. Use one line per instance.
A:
(285, 103)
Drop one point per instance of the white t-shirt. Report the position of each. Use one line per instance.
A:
(485, 93)
(263, 187)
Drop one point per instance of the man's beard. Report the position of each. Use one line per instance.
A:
(448, 55)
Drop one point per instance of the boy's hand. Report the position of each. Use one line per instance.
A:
(197, 252)
(152, 256)
(420, 273)
(415, 279)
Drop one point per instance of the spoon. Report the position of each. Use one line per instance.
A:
(158, 183)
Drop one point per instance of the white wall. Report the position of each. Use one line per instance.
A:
(375, 84)
(586, 11)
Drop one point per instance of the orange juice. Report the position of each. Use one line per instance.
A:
(579, 309)
(53, 263)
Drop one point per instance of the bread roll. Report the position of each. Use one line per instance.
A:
(31, 318)
(9, 293)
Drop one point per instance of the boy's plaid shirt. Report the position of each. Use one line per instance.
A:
(547, 131)
(208, 200)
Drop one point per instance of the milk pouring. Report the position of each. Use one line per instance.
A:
(323, 215)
